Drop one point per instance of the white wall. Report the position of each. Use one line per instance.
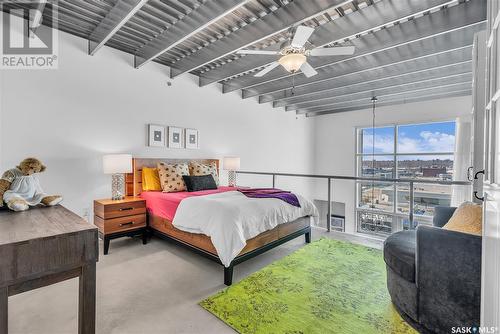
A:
(334, 140)
(93, 105)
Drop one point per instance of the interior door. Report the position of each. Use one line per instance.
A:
(490, 299)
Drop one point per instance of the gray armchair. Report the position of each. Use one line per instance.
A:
(434, 275)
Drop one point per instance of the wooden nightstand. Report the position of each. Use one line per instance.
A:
(119, 218)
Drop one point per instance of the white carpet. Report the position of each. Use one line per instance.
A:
(151, 288)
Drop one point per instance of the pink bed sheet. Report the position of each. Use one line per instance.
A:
(165, 204)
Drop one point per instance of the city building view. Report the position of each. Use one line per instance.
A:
(418, 152)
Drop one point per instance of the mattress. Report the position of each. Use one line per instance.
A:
(165, 205)
(230, 218)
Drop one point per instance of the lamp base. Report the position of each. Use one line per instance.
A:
(231, 178)
(117, 186)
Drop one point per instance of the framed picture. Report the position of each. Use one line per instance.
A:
(156, 135)
(192, 139)
(174, 137)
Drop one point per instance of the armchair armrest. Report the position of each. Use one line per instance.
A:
(442, 214)
(448, 277)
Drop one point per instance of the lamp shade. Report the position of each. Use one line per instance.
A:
(117, 163)
(231, 163)
(292, 62)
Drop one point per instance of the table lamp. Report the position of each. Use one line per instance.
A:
(117, 165)
(231, 164)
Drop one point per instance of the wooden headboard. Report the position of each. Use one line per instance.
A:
(134, 180)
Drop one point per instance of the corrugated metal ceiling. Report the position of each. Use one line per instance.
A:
(156, 17)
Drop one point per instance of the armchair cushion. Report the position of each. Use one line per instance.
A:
(399, 254)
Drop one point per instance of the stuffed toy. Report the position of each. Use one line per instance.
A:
(20, 188)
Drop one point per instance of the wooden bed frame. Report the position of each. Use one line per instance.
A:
(201, 243)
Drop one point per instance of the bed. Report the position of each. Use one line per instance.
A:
(162, 207)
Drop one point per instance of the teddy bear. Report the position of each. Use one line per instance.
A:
(20, 188)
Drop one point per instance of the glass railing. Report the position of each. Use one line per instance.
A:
(374, 206)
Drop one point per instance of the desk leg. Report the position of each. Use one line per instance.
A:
(4, 314)
(86, 300)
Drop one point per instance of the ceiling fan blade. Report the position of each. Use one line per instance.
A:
(267, 69)
(308, 70)
(333, 51)
(301, 36)
(257, 52)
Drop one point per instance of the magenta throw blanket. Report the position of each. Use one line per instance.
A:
(285, 196)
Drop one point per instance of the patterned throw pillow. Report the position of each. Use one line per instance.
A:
(467, 218)
(198, 169)
(171, 176)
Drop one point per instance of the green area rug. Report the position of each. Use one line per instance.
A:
(327, 286)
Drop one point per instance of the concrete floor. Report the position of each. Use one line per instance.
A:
(145, 289)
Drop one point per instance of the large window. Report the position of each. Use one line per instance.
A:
(417, 151)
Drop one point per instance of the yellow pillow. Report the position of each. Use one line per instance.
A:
(467, 218)
(150, 179)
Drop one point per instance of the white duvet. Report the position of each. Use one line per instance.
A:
(231, 218)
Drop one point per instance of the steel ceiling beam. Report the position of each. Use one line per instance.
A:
(441, 60)
(462, 86)
(280, 20)
(366, 19)
(427, 27)
(399, 87)
(116, 18)
(455, 73)
(401, 101)
(439, 44)
(190, 25)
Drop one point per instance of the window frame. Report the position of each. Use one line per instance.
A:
(358, 157)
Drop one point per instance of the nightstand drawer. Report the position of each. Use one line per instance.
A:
(119, 209)
(119, 218)
(120, 224)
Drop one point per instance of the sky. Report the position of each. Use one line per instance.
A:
(415, 138)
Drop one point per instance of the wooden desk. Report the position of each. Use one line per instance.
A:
(43, 246)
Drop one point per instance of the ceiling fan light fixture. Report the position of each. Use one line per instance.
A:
(292, 62)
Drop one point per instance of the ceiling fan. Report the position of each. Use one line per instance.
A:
(294, 54)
